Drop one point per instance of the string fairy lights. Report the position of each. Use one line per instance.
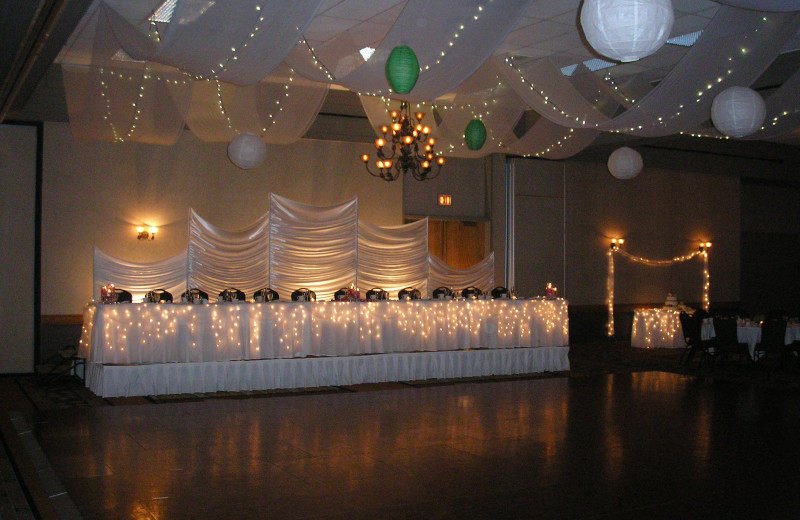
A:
(160, 333)
(615, 247)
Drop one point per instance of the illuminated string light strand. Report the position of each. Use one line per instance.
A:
(616, 248)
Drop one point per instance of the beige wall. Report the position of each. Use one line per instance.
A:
(463, 179)
(95, 194)
(17, 222)
(661, 214)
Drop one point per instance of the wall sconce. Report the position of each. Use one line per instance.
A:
(704, 246)
(616, 243)
(445, 199)
(146, 233)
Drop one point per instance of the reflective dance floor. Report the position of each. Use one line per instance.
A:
(642, 445)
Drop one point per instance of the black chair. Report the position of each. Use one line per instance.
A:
(377, 294)
(471, 292)
(409, 293)
(442, 293)
(691, 335)
(304, 295)
(500, 292)
(123, 296)
(232, 295)
(194, 296)
(771, 348)
(158, 296)
(266, 295)
(727, 340)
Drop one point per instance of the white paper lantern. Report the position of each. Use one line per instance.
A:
(247, 151)
(738, 111)
(626, 30)
(625, 163)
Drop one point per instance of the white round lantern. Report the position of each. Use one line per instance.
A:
(247, 151)
(625, 163)
(738, 111)
(626, 30)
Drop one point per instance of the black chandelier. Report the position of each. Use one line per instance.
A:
(408, 134)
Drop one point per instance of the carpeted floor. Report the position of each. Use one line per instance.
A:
(586, 359)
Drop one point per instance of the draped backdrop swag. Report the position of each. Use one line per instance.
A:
(291, 246)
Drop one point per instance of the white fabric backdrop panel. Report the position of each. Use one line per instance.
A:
(291, 246)
(312, 247)
(220, 259)
(393, 258)
(480, 275)
(139, 278)
(146, 333)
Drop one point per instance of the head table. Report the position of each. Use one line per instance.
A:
(208, 338)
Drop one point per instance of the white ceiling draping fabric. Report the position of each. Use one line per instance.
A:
(255, 37)
(258, 73)
(748, 40)
(291, 246)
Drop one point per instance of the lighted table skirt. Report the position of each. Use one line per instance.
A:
(143, 349)
(657, 328)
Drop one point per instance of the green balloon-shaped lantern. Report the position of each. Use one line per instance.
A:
(402, 69)
(475, 134)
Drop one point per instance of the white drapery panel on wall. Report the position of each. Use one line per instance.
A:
(291, 246)
(254, 39)
(220, 259)
(139, 278)
(312, 247)
(480, 275)
(393, 258)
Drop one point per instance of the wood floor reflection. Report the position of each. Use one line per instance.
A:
(639, 445)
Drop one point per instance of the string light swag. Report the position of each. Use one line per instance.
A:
(616, 247)
(407, 134)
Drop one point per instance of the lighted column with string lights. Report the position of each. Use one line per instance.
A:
(616, 247)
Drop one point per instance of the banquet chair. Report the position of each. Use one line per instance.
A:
(727, 340)
(232, 295)
(691, 327)
(771, 348)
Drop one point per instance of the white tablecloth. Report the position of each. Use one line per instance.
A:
(751, 334)
(146, 333)
(657, 328)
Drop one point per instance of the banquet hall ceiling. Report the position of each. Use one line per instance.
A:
(56, 33)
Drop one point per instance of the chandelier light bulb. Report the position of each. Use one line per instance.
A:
(419, 115)
(407, 150)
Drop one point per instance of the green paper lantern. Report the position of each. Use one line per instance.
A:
(475, 134)
(402, 69)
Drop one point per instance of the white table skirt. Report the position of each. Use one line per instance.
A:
(657, 328)
(265, 374)
(146, 333)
